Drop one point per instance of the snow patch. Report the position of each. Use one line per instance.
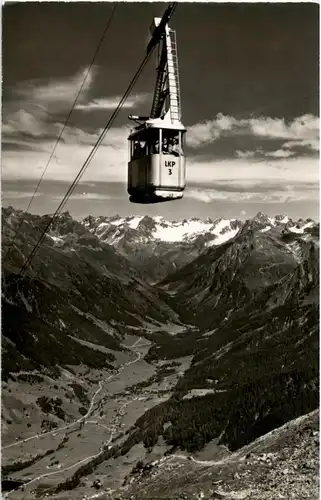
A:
(177, 231)
(25, 302)
(198, 392)
(276, 220)
(300, 230)
(265, 229)
(131, 221)
(223, 238)
(98, 322)
(210, 333)
(56, 239)
(62, 323)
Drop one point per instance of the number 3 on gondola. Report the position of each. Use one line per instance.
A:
(170, 169)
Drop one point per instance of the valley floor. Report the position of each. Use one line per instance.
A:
(280, 465)
(112, 410)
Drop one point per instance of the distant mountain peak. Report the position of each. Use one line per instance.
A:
(147, 222)
(261, 217)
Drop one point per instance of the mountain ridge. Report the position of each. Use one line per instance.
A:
(157, 247)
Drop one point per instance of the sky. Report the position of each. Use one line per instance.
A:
(249, 79)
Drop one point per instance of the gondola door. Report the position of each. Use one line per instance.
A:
(170, 163)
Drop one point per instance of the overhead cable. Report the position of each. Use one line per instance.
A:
(65, 122)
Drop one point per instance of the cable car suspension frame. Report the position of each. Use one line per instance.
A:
(156, 168)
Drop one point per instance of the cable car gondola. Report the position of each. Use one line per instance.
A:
(156, 167)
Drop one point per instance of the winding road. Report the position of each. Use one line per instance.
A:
(55, 431)
(79, 420)
(83, 417)
(112, 429)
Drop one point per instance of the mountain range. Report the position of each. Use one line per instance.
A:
(239, 298)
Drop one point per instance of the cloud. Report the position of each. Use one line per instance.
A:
(308, 143)
(280, 153)
(207, 132)
(303, 127)
(32, 124)
(112, 103)
(31, 112)
(116, 138)
(245, 154)
(302, 131)
(248, 172)
(84, 197)
(229, 180)
(242, 180)
(109, 163)
(59, 92)
(290, 194)
(32, 130)
(34, 114)
(261, 154)
(20, 194)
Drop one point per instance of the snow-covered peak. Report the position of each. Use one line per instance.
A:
(144, 229)
(261, 218)
(265, 220)
(117, 230)
(280, 219)
(131, 222)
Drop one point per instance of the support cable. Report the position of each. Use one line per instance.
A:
(65, 123)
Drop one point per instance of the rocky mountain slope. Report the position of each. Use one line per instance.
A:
(282, 464)
(157, 247)
(227, 277)
(77, 286)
